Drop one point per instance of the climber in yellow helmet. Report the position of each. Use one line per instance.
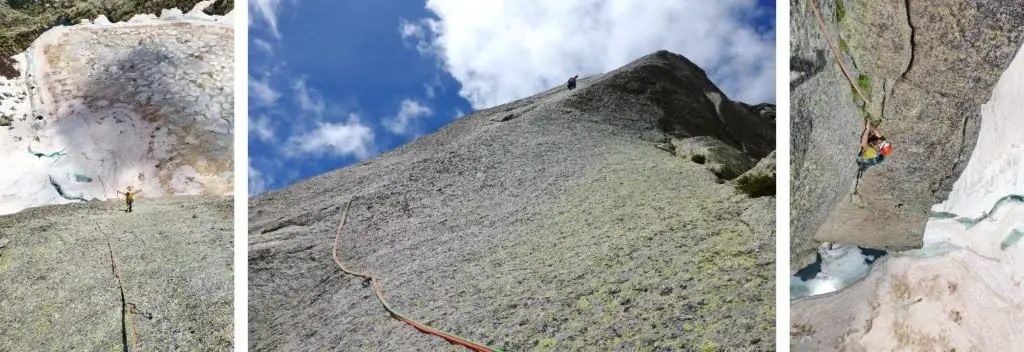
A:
(873, 147)
(129, 196)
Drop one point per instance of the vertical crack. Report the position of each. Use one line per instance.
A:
(124, 302)
(910, 24)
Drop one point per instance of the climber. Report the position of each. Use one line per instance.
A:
(572, 82)
(873, 147)
(129, 197)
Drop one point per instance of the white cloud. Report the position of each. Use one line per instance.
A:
(265, 10)
(503, 50)
(264, 45)
(459, 113)
(404, 122)
(350, 138)
(309, 100)
(258, 181)
(261, 128)
(409, 29)
(431, 88)
(261, 89)
(418, 33)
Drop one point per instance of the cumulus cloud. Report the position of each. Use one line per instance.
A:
(264, 45)
(404, 122)
(258, 181)
(350, 138)
(508, 49)
(431, 88)
(262, 91)
(261, 128)
(266, 11)
(309, 100)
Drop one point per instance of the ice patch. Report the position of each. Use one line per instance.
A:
(58, 148)
(839, 266)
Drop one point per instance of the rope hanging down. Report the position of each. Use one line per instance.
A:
(832, 47)
(379, 290)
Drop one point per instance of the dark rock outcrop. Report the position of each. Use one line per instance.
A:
(21, 22)
(552, 222)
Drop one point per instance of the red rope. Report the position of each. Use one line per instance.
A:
(379, 290)
(839, 59)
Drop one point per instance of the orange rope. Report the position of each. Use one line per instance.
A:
(379, 290)
(824, 31)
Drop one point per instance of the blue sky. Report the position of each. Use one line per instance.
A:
(335, 82)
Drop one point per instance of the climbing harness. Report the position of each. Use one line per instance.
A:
(379, 291)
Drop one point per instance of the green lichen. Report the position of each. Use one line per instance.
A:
(584, 305)
(840, 11)
(865, 84)
(708, 346)
(726, 253)
(546, 344)
(7, 260)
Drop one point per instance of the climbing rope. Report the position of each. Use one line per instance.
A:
(839, 59)
(379, 290)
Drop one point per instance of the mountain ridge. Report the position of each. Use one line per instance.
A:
(550, 222)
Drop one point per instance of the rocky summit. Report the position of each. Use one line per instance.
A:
(635, 212)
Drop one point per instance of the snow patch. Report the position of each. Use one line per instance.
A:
(965, 284)
(61, 149)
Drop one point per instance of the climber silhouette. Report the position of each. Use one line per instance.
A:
(572, 82)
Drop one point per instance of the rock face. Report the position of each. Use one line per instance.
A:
(825, 131)
(725, 161)
(58, 291)
(961, 291)
(926, 76)
(549, 223)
